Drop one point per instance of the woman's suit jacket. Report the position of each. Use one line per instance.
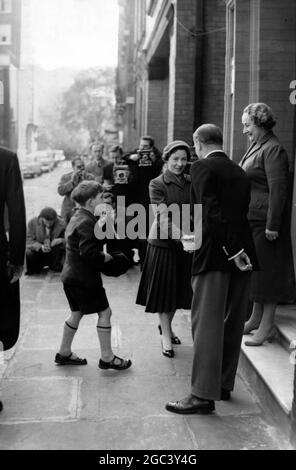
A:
(11, 196)
(165, 190)
(267, 166)
(84, 252)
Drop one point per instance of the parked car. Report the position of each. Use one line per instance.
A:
(30, 167)
(59, 156)
(47, 164)
(45, 158)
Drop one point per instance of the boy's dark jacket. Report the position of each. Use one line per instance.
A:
(84, 252)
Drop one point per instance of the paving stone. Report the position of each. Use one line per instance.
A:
(124, 394)
(50, 317)
(217, 432)
(104, 434)
(38, 399)
(56, 301)
(29, 290)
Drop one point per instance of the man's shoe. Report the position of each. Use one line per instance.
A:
(1, 406)
(225, 394)
(191, 405)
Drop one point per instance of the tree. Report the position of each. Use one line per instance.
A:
(88, 105)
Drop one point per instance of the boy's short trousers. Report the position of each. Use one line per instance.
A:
(86, 300)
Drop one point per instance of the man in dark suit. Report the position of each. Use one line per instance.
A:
(12, 247)
(221, 273)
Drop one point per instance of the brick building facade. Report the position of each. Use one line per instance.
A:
(170, 70)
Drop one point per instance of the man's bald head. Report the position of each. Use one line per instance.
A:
(207, 138)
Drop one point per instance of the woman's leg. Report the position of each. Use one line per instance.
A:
(165, 320)
(255, 318)
(266, 328)
(70, 328)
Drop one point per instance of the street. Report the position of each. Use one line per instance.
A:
(84, 408)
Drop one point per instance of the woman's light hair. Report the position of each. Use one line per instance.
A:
(261, 115)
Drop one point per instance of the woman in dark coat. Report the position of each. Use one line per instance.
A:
(267, 166)
(165, 282)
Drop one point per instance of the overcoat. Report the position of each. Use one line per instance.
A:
(267, 167)
(12, 244)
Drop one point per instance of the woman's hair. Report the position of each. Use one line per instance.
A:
(86, 190)
(48, 213)
(172, 147)
(261, 115)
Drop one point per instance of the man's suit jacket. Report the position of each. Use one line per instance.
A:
(267, 167)
(11, 196)
(223, 189)
(84, 252)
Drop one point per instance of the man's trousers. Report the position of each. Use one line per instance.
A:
(219, 310)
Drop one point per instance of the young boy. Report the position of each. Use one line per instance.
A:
(82, 279)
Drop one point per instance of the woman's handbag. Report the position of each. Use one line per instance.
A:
(117, 266)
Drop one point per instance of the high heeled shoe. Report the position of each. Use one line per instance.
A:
(167, 352)
(249, 328)
(255, 342)
(174, 339)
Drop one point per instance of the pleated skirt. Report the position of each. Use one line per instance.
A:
(165, 284)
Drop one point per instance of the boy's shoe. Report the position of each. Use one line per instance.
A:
(71, 360)
(123, 364)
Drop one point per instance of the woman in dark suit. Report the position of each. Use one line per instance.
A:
(165, 282)
(267, 166)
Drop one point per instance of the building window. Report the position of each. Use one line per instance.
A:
(5, 34)
(5, 6)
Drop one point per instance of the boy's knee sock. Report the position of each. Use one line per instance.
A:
(68, 336)
(104, 335)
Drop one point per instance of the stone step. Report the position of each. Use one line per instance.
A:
(270, 372)
(286, 326)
